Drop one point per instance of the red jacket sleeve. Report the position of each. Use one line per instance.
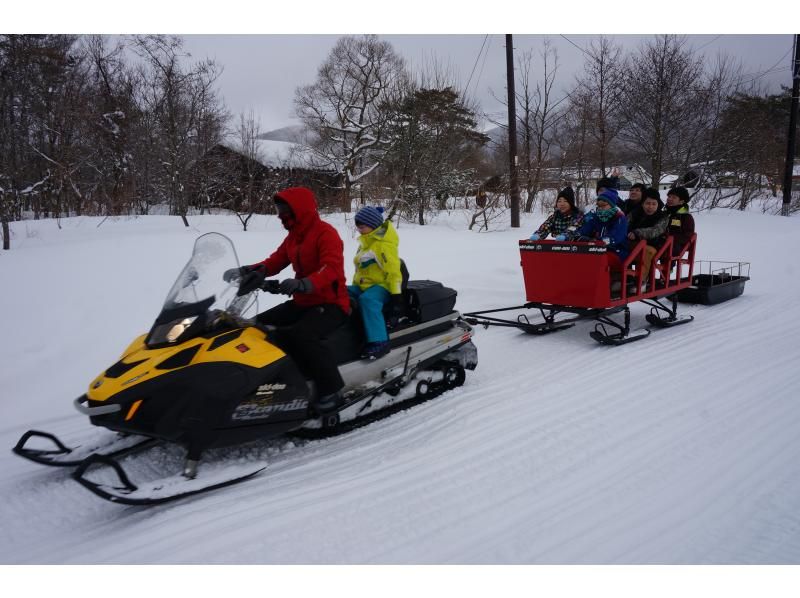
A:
(277, 261)
(331, 260)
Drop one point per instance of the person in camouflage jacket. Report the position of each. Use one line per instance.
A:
(566, 217)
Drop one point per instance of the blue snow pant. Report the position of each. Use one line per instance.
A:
(370, 304)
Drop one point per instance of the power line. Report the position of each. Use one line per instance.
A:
(483, 64)
(708, 43)
(574, 44)
(771, 69)
(477, 58)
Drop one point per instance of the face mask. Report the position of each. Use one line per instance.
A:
(287, 219)
(285, 214)
(605, 215)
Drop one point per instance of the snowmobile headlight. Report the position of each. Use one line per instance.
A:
(178, 327)
(170, 331)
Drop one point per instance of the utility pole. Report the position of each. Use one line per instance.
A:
(790, 146)
(513, 183)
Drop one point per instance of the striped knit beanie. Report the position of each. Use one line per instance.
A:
(372, 217)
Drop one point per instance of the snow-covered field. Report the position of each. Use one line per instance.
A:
(682, 448)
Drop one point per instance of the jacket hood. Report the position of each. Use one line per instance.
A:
(679, 209)
(385, 233)
(303, 204)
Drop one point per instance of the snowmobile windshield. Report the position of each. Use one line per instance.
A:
(200, 288)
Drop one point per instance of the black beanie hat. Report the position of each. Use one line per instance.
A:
(606, 183)
(651, 193)
(568, 194)
(680, 192)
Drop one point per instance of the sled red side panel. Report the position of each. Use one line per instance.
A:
(559, 273)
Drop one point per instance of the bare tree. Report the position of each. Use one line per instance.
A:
(662, 99)
(603, 86)
(112, 116)
(346, 107)
(537, 116)
(42, 110)
(577, 155)
(492, 203)
(179, 101)
(252, 192)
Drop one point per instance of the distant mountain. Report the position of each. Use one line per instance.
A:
(497, 136)
(292, 133)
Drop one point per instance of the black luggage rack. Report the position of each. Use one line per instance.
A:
(715, 281)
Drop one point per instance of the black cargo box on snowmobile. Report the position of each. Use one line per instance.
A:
(428, 300)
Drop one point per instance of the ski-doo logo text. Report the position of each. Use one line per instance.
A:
(267, 389)
(258, 409)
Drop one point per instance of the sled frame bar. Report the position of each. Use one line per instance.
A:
(548, 312)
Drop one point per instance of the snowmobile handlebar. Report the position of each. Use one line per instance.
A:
(271, 286)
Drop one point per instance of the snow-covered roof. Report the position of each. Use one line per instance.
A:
(277, 154)
(632, 172)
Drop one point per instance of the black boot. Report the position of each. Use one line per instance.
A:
(376, 350)
(328, 403)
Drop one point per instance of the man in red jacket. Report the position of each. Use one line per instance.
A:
(319, 303)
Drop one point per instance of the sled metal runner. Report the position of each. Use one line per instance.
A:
(576, 278)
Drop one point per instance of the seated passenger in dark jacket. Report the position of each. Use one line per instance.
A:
(680, 223)
(635, 197)
(649, 223)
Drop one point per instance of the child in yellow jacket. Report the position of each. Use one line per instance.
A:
(378, 279)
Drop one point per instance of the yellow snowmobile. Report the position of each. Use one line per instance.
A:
(207, 376)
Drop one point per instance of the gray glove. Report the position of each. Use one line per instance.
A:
(290, 286)
(233, 274)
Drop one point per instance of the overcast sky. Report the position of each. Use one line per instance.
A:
(261, 72)
(262, 68)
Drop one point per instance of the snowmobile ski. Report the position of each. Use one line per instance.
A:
(655, 320)
(162, 490)
(110, 445)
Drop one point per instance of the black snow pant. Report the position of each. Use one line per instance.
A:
(299, 334)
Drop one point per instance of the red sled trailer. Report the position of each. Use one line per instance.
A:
(584, 280)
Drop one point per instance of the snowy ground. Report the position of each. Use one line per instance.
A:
(679, 449)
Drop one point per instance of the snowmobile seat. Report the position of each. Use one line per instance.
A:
(423, 301)
(346, 343)
(393, 320)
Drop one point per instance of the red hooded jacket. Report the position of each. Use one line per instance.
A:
(314, 249)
